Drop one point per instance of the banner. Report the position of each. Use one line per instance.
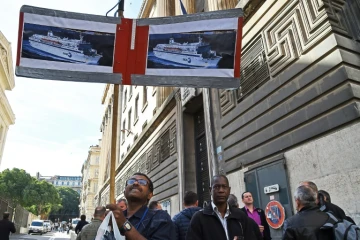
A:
(197, 50)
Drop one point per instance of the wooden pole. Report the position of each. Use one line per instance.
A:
(113, 142)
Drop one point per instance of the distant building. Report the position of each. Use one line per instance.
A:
(7, 82)
(90, 173)
(74, 182)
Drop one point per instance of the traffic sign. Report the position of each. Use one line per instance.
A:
(275, 214)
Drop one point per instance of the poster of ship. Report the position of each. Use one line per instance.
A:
(211, 49)
(58, 44)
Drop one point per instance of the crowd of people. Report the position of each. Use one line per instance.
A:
(137, 218)
(222, 219)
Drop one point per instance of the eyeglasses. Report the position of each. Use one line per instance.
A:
(141, 182)
(218, 187)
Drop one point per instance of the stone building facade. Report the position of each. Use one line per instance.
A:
(7, 82)
(295, 116)
(90, 174)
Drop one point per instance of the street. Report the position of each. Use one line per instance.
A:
(47, 236)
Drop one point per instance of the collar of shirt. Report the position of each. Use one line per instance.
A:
(248, 210)
(139, 213)
(222, 220)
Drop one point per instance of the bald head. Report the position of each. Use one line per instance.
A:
(310, 184)
(100, 213)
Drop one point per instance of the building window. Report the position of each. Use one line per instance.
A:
(136, 110)
(73, 183)
(97, 160)
(129, 121)
(145, 101)
(62, 183)
(123, 131)
(68, 183)
(125, 98)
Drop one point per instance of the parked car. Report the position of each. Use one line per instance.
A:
(37, 226)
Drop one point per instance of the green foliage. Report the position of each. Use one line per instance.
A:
(70, 200)
(42, 195)
(13, 184)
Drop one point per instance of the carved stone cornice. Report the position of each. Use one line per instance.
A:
(6, 64)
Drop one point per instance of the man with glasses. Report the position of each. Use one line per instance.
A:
(218, 220)
(138, 221)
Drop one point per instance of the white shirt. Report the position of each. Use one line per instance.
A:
(222, 220)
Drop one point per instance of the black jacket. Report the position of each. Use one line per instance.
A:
(206, 225)
(79, 226)
(305, 225)
(267, 235)
(182, 221)
(5, 228)
(336, 211)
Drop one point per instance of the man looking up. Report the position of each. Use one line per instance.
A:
(138, 222)
(218, 220)
(183, 218)
(89, 231)
(256, 214)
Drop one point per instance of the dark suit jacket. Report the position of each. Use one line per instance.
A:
(267, 235)
(5, 228)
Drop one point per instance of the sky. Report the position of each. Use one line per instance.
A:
(56, 122)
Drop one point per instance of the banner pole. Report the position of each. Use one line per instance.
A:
(113, 142)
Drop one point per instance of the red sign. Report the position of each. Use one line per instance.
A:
(275, 214)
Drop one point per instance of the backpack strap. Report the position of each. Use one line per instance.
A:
(330, 223)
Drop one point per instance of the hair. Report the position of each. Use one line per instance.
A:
(306, 195)
(233, 201)
(190, 198)
(99, 212)
(6, 215)
(151, 185)
(312, 185)
(153, 204)
(322, 194)
(122, 200)
(219, 176)
(242, 195)
(83, 217)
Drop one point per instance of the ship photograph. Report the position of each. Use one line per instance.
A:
(192, 50)
(67, 45)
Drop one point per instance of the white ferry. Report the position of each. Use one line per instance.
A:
(198, 54)
(72, 50)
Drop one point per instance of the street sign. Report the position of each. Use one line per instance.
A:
(275, 214)
(195, 50)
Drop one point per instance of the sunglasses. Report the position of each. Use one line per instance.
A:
(141, 182)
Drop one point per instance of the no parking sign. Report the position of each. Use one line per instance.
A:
(275, 214)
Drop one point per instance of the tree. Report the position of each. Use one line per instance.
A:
(13, 184)
(40, 197)
(70, 200)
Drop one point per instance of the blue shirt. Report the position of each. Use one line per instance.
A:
(156, 224)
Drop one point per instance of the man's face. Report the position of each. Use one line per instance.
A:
(220, 190)
(248, 199)
(122, 205)
(137, 189)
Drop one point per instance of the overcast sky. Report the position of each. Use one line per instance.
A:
(56, 122)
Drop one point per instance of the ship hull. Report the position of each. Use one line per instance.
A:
(188, 60)
(66, 54)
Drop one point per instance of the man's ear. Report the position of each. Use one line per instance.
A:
(197, 203)
(150, 195)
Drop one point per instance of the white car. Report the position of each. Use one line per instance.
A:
(37, 226)
(74, 222)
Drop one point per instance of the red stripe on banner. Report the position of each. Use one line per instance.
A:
(142, 40)
(20, 36)
(122, 46)
(238, 48)
(131, 58)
